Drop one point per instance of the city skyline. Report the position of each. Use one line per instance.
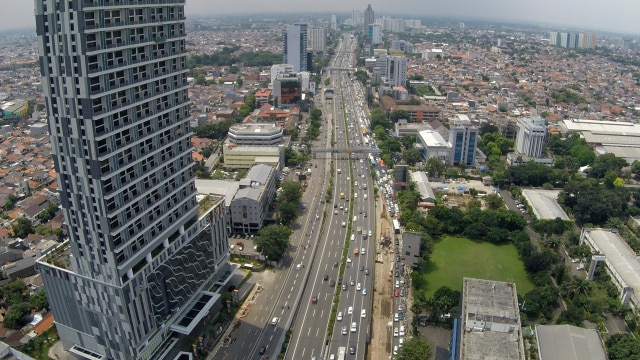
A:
(585, 14)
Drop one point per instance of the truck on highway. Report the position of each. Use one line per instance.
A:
(341, 195)
(339, 171)
(342, 352)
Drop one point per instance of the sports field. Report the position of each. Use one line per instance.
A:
(456, 257)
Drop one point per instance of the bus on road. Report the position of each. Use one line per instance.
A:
(342, 352)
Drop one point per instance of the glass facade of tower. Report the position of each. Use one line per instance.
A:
(115, 79)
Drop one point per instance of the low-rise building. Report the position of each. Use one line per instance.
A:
(621, 262)
(244, 157)
(411, 248)
(432, 145)
(404, 128)
(490, 322)
(255, 134)
(251, 204)
(423, 186)
(568, 342)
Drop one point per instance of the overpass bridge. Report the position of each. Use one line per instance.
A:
(344, 150)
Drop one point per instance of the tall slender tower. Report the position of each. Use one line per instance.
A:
(139, 252)
(368, 18)
(295, 47)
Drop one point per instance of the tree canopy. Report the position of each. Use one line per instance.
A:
(273, 241)
(414, 348)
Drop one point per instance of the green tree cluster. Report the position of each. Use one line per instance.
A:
(22, 227)
(414, 348)
(273, 241)
(48, 213)
(226, 57)
(15, 297)
(591, 202)
(289, 201)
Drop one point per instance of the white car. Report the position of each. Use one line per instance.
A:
(362, 251)
(400, 342)
(369, 232)
(359, 287)
(344, 224)
(397, 284)
(363, 313)
(339, 317)
(395, 317)
(348, 260)
(395, 350)
(395, 332)
(350, 310)
(344, 330)
(354, 327)
(364, 291)
(402, 332)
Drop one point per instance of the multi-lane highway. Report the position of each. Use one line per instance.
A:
(323, 266)
(349, 225)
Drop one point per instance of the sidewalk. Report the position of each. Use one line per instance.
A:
(380, 346)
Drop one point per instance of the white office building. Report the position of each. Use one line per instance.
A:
(532, 136)
(295, 47)
(317, 39)
(396, 71)
(280, 69)
(374, 33)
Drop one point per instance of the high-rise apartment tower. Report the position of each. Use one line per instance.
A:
(142, 255)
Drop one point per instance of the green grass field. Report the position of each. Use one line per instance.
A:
(456, 257)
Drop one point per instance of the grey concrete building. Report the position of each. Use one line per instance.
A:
(490, 321)
(251, 205)
(411, 248)
(143, 255)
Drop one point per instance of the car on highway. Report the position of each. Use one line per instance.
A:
(352, 349)
(344, 287)
(350, 310)
(339, 316)
(395, 350)
(396, 293)
(396, 317)
(314, 300)
(397, 284)
(274, 321)
(402, 292)
(395, 332)
(352, 282)
(354, 327)
(344, 224)
(363, 313)
(359, 287)
(361, 267)
(366, 271)
(362, 251)
(344, 330)
(332, 283)
(402, 331)
(364, 291)
(263, 349)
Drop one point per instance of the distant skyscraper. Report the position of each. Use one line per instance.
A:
(463, 137)
(318, 39)
(295, 47)
(368, 17)
(532, 134)
(374, 33)
(334, 22)
(140, 255)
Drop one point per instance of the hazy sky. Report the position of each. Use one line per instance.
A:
(611, 15)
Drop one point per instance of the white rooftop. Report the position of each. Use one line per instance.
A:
(545, 204)
(433, 138)
(601, 127)
(619, 256)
